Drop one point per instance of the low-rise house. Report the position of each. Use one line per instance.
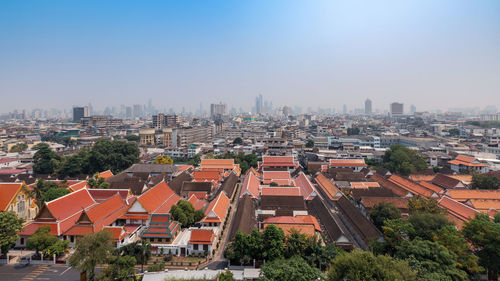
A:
(161, 231)
(201, 242)
(355, 164)
(15, 197)
(307, 225)
(466, 163)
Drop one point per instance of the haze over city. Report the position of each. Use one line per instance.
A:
(433, 54)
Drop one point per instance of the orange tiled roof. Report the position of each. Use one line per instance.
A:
(201, 176)
(7, 193)
(347, 163)
(77, 186)
(304, 224)
(217, 209)
(158, 196)
(484, 205)
(182, 168)
(196, 202)
(201, 236)
(226, 164)
(458, 210)
(419, 177)
(364, 185)
(105, 174)
(250, 185)
(280, 191)
(463, 195)
(431, 186)
(270, 176)
(466, 161)
(306, 187)
(396, 189)
(278, 161)
(328, 187)
(411, 186)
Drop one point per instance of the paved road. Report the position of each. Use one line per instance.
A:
(38, 273)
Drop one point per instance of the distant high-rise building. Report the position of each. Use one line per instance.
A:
(259, 103)
(137, 111)
(413, 109)
(217, 110)
(368, 106)
(161, 121)
(397, 108)
(79, 112)
(344, 109)
(128, 112)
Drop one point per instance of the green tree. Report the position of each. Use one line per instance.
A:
(274, 239)
(91, 250)
(294, 268)
(97, 182)
(195, 161)
(41, 240)
(119, 268)
(310, 143)
(430, 258)
(134, 138)
(454, 241)
(185, 213)
(10, 225)
(382, 212)
(71, 166)
(483, 181)
(57, 248)
(45, 160)
(318, 256)
(238, 140)
(226, 276)
(360, 265)
(427, 224)
(19, 147)
(402, 160)
(140, 250)
(246, 247)
(424, 205)
(46, 191)
(105, 155)
(484, 235)
(54, 193)
(296, 244)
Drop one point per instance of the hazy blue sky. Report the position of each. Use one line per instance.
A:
(434, 54)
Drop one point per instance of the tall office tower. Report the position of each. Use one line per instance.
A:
(413, 109)
(397, 108)
(79, 112)
(137, 112)
(368, 107)
(259, 103)
(217, 110)
(344, 109)
(128, 112)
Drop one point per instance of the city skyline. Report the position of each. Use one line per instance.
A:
(327, 54)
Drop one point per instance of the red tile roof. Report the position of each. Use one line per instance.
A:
(275, 161)
(463, 195)
(304, 224)
(197, 203)
(272, 176)
(217, 209)
(280, 191)
(396, 189)
(250, 185)
(100, 195)
(159, 197)
(466, 161)
(411, 186)
(364, 185)
(328, 187)
(201, 176)
(7, 193)
(460, 212)
(306, 187)
(347, 163)
(106, 174)
(201, 236)
(77, 186)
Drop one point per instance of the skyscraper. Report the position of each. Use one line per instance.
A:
(397, 108)
(368, 107)
(259, 104)
(79, 112)
(217, 110)
(413, 109)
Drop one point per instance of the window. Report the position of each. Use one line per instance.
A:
(20, 207)
(72, 238)
(22, 241)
